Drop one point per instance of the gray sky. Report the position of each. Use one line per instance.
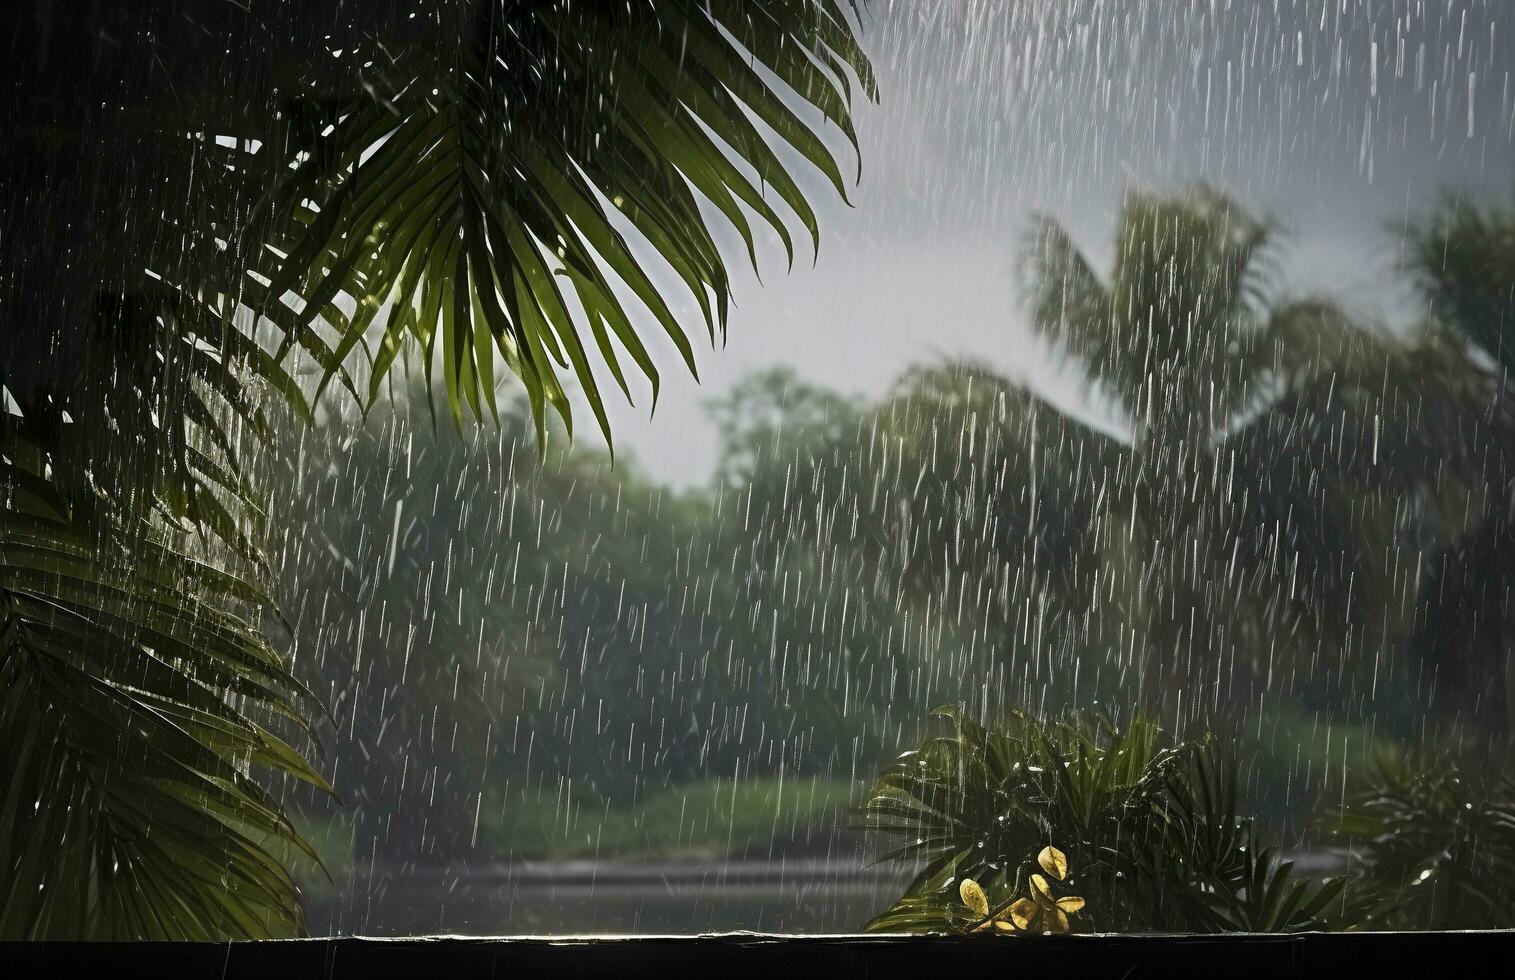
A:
(1335, 118)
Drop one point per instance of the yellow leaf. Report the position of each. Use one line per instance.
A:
(1023, 913)
(1042, 892)
(1056, 921)
(1054, 862)
(1070, 904)
(1004, 926)
(973, 896)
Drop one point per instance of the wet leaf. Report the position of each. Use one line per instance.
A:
(1053, 862)
(973, 896)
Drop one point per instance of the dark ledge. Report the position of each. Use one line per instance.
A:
(1342, 955)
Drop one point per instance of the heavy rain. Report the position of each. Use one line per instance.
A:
(793, 466)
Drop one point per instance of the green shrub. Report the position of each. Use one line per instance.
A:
(1150, 825)
(1433, 842)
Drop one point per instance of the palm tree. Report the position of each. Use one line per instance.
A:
(1288, 474)
(1293, 485)
(207, 203)
(1463, 259)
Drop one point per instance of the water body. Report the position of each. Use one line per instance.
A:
(604, 898)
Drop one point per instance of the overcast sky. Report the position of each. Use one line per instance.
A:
(1335, 118)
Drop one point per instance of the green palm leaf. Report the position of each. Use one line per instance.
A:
(1435, 840)
(498, 188)
(137, 700)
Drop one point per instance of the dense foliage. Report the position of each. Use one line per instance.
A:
(218, 213)
(1152, 827)
(1434, 840)
(855, 562)
(205, 201)
(1160, 840)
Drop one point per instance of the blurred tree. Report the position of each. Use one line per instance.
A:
(483, 623)
(772, 412)
(1463, 259)
(1288, 477)
(1291, 470)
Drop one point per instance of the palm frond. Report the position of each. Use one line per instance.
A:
(1463, 259)
(137, 701)
(1068, 304)
(1435, 842)
(497, 188)
(1168, 333)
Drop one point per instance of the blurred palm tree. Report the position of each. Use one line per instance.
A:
(1293, 470)
(1463, 259)
(1289, 476)
(217, 208)
(1301, 497)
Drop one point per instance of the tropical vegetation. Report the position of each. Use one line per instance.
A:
(219, 204)
(1152, 824)
(1432, 842)
(242, 515)
(1164, 842)
(1280, 452)
(924, 547)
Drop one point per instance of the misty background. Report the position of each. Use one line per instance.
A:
(1337, 120)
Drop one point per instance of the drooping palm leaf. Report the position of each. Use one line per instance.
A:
(142, 700)
(137, 701)
(504, 184)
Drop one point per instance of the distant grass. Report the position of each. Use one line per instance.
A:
(1291, 772)
(720, 818)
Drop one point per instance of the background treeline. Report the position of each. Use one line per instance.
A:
(1297, 536)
